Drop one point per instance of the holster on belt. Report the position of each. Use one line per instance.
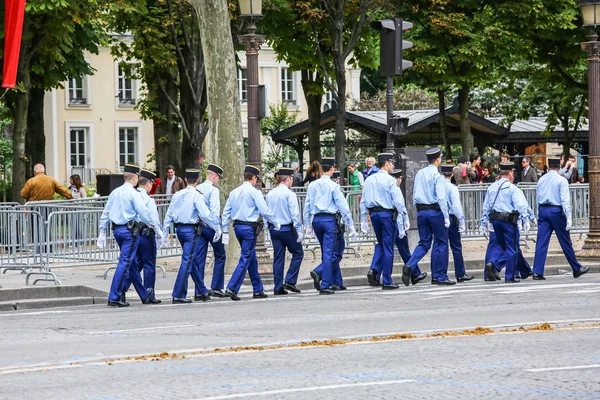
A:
(340, 226)
(454, 219)
(199, 228)
(147, 231)
(510, 217)
(260, 224)
(395, 214)
(135, 228)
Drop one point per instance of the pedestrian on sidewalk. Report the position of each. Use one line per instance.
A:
(284, 205)
(189, 214)
(433, 220)
(244, 205)
(210, 193)
(123, 211)
(457, 226)
(171, 184)
(42, 187)
(554, 200)
(326, 215)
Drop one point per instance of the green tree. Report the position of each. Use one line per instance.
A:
(279, 119)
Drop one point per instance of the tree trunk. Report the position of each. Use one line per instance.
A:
(167, 138)
(313, 102)
(20, 161)
(225, 142)
(35, 145)
(466, 137)
(443, 124)
(340, 118)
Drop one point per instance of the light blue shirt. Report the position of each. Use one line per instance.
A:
(124, 204)
(553, 189)
(510, 198)
(454, 205)
(430, 188)
(151, 205)
(381, 190)
(188, 207)
(284, 205)
(245, 203)
(211, 198)
(325, 196)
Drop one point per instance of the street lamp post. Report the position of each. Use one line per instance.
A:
(590, 11)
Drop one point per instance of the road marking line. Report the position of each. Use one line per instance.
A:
(36, 368)
(150, 328)
(307, 389)
(35, 313)
(564, 368)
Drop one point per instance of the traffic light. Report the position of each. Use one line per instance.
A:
(392, 62)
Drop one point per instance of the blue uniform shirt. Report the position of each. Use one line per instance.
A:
(151, 205)
(188, 207)
(381, 190)
(430, 188)
(124, 204)
(284, 205)
(245, 203)
(211, 199)
(554, 189)
(454, 205)
(510, 198)
(325, 196)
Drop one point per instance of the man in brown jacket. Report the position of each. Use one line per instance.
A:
(171, 184)
(464, 174)
(42, 186)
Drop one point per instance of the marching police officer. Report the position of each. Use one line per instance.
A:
(504, 205)
(189, 214)
(457, 225)
(383, 201)
(123, 210)
(284, 205)
(554, 202)
(431, 200)
(210, 192)
(324, 208)
(243, 206)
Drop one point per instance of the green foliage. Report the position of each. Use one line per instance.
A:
(279, 119)
(408, 98)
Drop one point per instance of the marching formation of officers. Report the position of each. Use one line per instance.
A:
(195, 214)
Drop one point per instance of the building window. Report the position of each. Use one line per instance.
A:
(288, 93)
(126, 86)
(243, 85)
(127, 146)
(77, 91)
(77, 141)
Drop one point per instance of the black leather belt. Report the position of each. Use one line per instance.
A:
(549, 206)
(288, 225)
(380, 209)
(510, 217)
(425, 207)
(178, 225)
(323, 214)
(248, 223)
(115, 226)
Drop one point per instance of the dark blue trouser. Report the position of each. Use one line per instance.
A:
(431, 229)
(285, 238)
(383, 258)
(218, 278)
(338, 254)
(551, 219)
(128, 246)
(145, 260)
(189, 259)
(497, 256)
(507, 237)
(248, 261)
(325, 230)
(404, 250)
(456, 247)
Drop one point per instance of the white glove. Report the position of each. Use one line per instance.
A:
(401, 234)
(406, 225)
(309, 233)
(277, 226)
(533, 221)
(164, 241)
(462, 228)
(447, 223)
(101, 241)
(353, 233)
(225, 238)
(569, 224)
(217, 236)
(483, 229)
(526, 226)
(300, 237)
(159, 235)
(364, 227)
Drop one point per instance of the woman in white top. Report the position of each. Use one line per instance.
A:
(77, 189)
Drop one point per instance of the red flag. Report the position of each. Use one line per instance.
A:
(13, 30)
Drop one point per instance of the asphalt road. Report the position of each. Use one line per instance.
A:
(409, 343)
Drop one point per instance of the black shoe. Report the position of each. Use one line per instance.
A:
(335, 288)
(434, 281)
(291, 288)
(527, 276)
(446, 282)
(177, 300)
(316, 280)
(538, 277)
(326, 291)
(406, 272)
(261, 295)
(154, 301)
(390, 287)
(489, 279)
(232, 295)
(578, 273)
(464, 278)
(148, 297)
(372, 278)
(202, 297)
(342, 287)
(280, 292)
(118, 303)
(419, 278)
(216, 293)
(491, 273)
(516, 280)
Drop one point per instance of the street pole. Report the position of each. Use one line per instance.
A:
(591, 246)
(389, 142)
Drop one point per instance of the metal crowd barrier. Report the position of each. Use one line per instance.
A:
(22, 241)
